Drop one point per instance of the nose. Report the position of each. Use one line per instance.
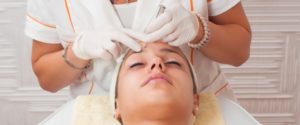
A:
(157, 64)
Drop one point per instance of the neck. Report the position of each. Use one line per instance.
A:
(165, 112)
(161, 122)
(159, 118)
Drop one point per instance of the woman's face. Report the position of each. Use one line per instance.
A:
(158, 79)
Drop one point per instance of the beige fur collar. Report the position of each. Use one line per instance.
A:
(96, 110)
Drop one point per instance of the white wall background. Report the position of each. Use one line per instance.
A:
(268, 85)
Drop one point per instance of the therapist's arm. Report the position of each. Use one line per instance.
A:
(50, 68)
(230, 37)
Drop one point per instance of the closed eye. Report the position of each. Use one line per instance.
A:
(136, 64)
(173, 63)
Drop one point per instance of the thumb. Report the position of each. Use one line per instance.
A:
(143, 37)
(127, 41)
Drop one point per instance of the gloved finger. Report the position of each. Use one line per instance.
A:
(82, 49)
(119, 47)
(94, 50)
(171, 37)
(105, 54)
(184, 35)
(179, 41)
(136, 35)
(114, 50)
(162, 32)
(159, 22)
(78, 51)
(126, 40)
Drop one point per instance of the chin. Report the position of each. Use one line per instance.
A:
(162, 106)
(159, 98)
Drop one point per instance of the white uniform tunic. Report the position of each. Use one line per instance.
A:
(51, 21)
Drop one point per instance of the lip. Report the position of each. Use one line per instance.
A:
(158, 76)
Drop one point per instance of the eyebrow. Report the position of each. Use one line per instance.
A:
(169, 50)
(165, 49)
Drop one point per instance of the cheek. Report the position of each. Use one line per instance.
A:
(184, 81)
(129, 83)
(131, 78)
(128, 88)
(184, 89)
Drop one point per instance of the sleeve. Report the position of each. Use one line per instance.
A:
(40, 24)
(217, 7)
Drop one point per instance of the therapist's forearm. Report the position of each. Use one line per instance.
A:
(228, 44)
(54, 73)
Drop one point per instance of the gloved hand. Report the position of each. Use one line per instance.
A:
(96, 37)
(103, 44)
(175, 25)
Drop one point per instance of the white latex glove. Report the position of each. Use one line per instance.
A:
(97, 39)
(175, 25)
(102, 44)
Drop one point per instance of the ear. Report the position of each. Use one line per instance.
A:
(117, 114)
(196, 104)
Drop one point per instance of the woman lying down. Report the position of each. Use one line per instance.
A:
(153, 87)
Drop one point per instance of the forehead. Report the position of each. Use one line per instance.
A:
(157, 47)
